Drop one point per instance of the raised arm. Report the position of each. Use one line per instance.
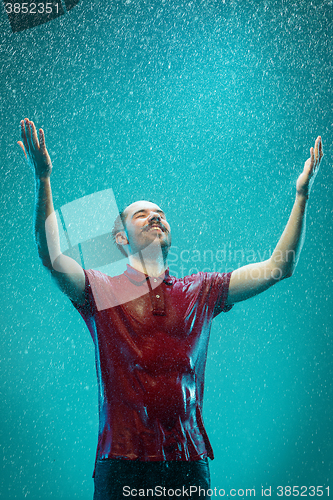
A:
(67, 273)
(253, 279)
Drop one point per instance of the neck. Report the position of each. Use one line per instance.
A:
(152, 267)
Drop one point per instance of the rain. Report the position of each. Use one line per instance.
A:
(209, 109)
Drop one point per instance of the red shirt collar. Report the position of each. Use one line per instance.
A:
(138, 278)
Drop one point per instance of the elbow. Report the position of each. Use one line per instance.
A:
(290, 269)
(279, 273)
(288, 272)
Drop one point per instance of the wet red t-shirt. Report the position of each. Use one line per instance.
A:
(151, 338)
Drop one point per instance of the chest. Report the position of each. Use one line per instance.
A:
(160, 330)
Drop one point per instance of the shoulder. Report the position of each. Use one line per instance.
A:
(204, 283)
(95, 276)
(211, 278)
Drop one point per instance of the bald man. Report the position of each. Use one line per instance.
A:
(151, 332)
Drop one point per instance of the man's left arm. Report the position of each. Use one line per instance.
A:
(253, 279)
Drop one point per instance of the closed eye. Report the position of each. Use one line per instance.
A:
(143, 213)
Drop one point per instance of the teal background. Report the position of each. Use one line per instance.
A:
(208, 108)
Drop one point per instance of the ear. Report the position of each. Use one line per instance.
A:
(121, 238)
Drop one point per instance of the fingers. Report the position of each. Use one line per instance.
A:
(318, 152)
(24, 135)
(42, 140)
(34, 135)
(20, 143)
(321, 150)
(28, 134)
(316, 149)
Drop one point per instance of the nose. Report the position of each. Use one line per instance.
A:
(154, 216)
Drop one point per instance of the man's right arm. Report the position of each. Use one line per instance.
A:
(66, 272)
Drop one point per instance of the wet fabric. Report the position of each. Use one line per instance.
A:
(117, 479)
(151, 338)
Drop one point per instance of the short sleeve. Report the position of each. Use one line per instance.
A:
(222, 281)
(87, 309)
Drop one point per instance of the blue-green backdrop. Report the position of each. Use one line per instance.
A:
(209, 108)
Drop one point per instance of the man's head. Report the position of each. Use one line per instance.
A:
(140, 225)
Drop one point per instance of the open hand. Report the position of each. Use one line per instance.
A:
(35, 151)
(311, 167)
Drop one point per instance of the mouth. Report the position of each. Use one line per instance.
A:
(155, 226)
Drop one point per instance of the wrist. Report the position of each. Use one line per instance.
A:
(42, 184)
(42, 179)
(302, 196)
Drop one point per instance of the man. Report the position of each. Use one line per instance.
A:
(151, 333)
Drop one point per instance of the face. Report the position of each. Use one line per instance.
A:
(145, 225)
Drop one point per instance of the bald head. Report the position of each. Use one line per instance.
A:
(141, 224)
(139, 206)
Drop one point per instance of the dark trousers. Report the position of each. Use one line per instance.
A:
(117, 479)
